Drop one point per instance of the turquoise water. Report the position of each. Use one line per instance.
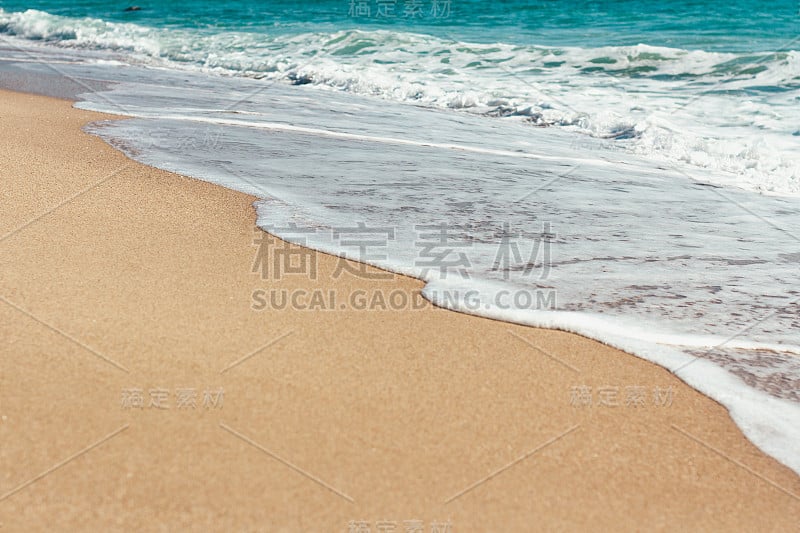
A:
(731, 26)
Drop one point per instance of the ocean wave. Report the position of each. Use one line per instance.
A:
(734, 114)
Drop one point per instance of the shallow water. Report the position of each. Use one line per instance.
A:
(633, 218)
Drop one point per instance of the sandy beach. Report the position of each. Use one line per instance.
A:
(141, 389)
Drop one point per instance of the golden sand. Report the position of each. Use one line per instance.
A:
(117, 278)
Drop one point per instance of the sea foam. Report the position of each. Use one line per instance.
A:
(672, 261)
(735, 113)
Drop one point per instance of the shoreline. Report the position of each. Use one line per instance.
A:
(119, 277)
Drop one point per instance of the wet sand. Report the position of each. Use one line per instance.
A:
(139, 387)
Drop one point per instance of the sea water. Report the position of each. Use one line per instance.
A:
(627, 171)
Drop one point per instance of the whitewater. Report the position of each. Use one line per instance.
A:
(649, 194)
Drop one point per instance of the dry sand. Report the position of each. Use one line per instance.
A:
(117, 276)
